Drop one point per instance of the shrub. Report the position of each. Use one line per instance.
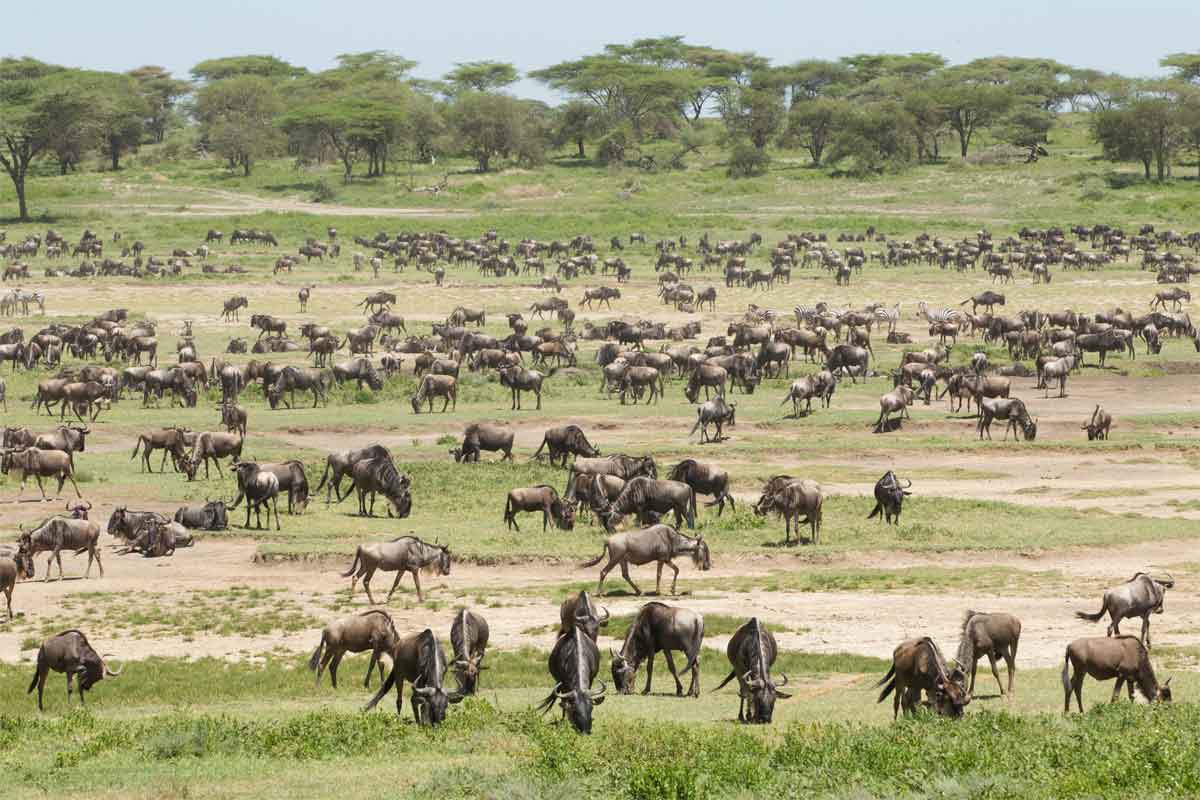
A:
(746, 160)
(323, 192)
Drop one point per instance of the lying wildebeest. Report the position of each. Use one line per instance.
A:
(71, 653)
(658, 543)
(1105, 658)
(402, 554)
(622, 466)
(14, 566)
(1098, 426)
(643, 496)
(889, 498)
(340, 465)
(126, 524)
(419, 659)
(482, 436)
(797, 501)
(209, 517)
(1140, 596)
(714, 412)
(574, 662)
(539, 498)
(578, 611)
(468, 640)
(158, 540)
(564, 441)
(752, 651)
(379, 476)
(917, 665)
(704, 479)
(63, 533)
(659, 627)
(993, 635)
(371, 630)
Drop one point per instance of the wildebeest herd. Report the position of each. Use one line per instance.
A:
(761, 344)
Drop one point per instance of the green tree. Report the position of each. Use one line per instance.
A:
(814, 124)
(482, 76)
(753, 113)
(160, 92)
(1189, 120)
(577, 121)
(1149, 128)
(971, 104)
(119, 110)
(487, 126)
(876, 136)
(237, 118)
(1186, 66)
(216, 69)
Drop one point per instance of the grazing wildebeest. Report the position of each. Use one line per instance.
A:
(704, 479)
(371, 630)
(400, 555)
(918, 666)
(40, 464)
(659, 627)
(260, 487)
(1105, 658)
(1140, 596)
(993, 635)
(1098, 426)
(539, 498)
(468, 640)
(1013, 411)
(213, 447)
(578, 611)
(444, 386)
(379, 475)
(564, 441)
(622, 466)
(419, 659)
(658, 543)
(574, 662)
(482, 436)
(714, 412)
(340, 465)
(797, 501)
(71, 653)
(752, 651)
(643, 496)
(889, 498)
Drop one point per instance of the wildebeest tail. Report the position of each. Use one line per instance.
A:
(696, 427)
(37, 672)
(691, 507)
(728, 678)
(597, 559)
(1066, 674)
(354, 566)
(1092, 617)
(324, 475)
(876, 511)
(136, 446)
(315, 661)
(890, 680)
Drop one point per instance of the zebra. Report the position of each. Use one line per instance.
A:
(889, 315)
(937, 315)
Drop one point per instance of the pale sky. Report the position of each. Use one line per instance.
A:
(1127, 37)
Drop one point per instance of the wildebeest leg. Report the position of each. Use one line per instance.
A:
(625, 575)
(416, 573)
(674, 674)
(58, 558)
(8, 590)
(275, 507)
(674, 577)
(333, 667)
(1010, 659)
(366, 584)
(658, 576)
(395, 584)
(1146, 630)
(995, 672)
(42, 488)
(974, 668)
(326, 657)
(1116, 695)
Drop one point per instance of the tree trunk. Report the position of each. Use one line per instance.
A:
(246, 166)
(22, 207)
(484, 159)
(579, 144)
(963, 140)
(1146, 166)
(114, 149)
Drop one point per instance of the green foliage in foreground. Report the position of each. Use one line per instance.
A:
(1113, 751)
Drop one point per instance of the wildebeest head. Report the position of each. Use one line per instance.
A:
(700, 555)
(762, 692)
(950, 696)
(578, 705)
(79, 510)
(563, 513)
(215, 517)
(466, 672)
(1030, 427)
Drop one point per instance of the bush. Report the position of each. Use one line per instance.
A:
(323, 192)
(746, 161)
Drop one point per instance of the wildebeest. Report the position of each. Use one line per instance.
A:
(379, 475)
(539, 498)
(574, 662)
(468, 640)
(400, 555)
(752, 651)
(918, 666)
(658, 543)
(260, 488)
(622, 466)
(1057, 370)
(1140, 596)
(419, 659)
(797, 501)
(578, 611)
(157, 539)
(213, 447)
(993, 635)
(518, 380)
(70, 652)
(126, 524)
(714, 412)
(1098, 426)
(850, 359)
(340, 465)
(292, 480)
(704, 479)
(564, 441)
(69, 439)
(14, 566)
(643, 496)
(659, 627)
(889, 498)
(896, 401)
(1010, 410)
(1105, 658)
(59, 534)
(987, 299)
(444, 386)
(371, 630)
(211, 516)
(484, 436)
(40, 464)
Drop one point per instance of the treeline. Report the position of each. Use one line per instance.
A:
(865, 113)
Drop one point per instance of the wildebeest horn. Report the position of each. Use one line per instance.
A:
(1168, 682)
(563, 695)
(104, 661)
(88, 504)
(783, 682)
(599, 694)
(604, 620)
(424, 691)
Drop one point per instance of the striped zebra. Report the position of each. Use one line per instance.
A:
(935, 315)
(809, 313)
(891, 316)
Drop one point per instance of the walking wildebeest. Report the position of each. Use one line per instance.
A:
(63, 533)
(659, 627)
(917, 665)
(564, 441)
(889, 498)
(71, 653)
(752, 651)
(658, 543)
(539, 498)
(1104, 658)
(371, 630)
(419, 659)
(643, 496)
(402, 554)
(1140, 596)
(704, 479)
(993, 635)
(340, 465)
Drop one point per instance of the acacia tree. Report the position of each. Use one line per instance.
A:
(970, 104)
(217, 69)
(237, 117)
(118, 110)
(487, 126)
(160, 92)
(1149, 127)
(814, 124)
(481, 76)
